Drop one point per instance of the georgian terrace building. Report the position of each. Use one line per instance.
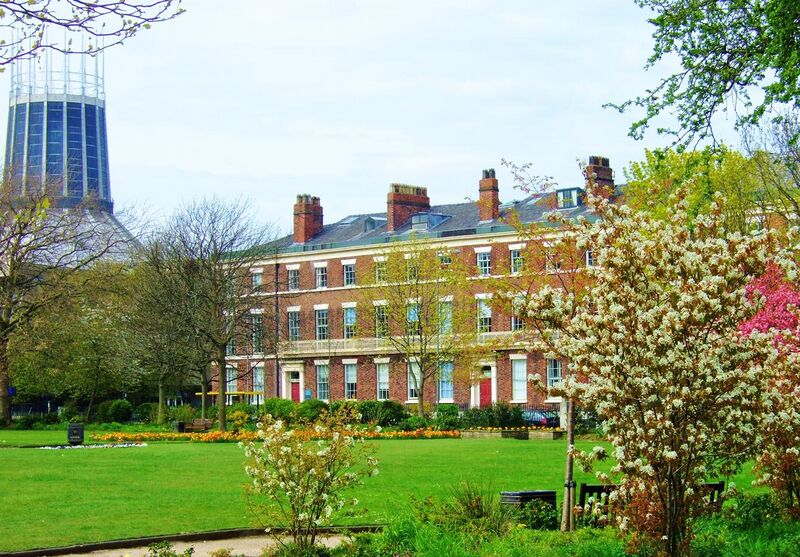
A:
(317, 269)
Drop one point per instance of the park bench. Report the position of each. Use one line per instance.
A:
(713, 492)
(199, 424)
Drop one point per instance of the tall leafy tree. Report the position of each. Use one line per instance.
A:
(726, 50)
(41, 249)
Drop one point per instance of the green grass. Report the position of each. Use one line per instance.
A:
(53, 498)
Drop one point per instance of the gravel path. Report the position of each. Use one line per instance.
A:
(249, 547)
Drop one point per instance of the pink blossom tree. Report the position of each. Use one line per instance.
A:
(778, 464)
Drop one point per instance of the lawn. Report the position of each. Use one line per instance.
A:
(53, 498)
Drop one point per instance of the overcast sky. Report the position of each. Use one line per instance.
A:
(340, 98)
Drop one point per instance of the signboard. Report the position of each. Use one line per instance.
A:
(12, 391)
(307, 393)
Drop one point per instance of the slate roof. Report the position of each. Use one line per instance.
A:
(460, 219)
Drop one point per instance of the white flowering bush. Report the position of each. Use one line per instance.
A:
(654, 349)
(303, 483)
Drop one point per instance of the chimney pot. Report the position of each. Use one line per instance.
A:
(403, 201)
(308, 221)
(488, 196)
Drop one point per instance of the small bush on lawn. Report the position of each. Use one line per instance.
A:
(249, 409)
(447, 418)
(146, 412)
(496, 415)
(369, 410)
(413, 423)
(310, 410)
(279, 408)
(183, 413)
(538, 515)
(120, 411)
(751, 511)
(391, 413)
(101, 412)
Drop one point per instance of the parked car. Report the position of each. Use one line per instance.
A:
(542, 418)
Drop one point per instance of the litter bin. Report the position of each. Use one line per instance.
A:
(75, 434)
(180, 427)
(521, 498)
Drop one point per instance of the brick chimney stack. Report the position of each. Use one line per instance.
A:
(598, 172)
(404, 201)
(307, 218)
(488, 196)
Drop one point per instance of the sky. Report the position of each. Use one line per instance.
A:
(263, 100)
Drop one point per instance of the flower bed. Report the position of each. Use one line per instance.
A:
(242, 436)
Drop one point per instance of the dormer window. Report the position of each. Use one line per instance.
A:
(426, 221)
(566, 199)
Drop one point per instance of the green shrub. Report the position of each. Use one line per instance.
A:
(146, 412)
(183, 413)
(249, 409)
(413, 423)
(212, 411)
(280, 408)
(447, 417)
(496, 415)
(27, 422)
(337, 405)
(538, 515)
(391, 413)
(101, 412)
(310, 410)
(751, 511)
(120, 411)
(370, 411)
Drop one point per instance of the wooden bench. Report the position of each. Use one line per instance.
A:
(198, 424)
(713, 492)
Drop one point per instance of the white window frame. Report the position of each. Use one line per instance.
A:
(483, 260)
(349, 264)
(380, 309)
(588, 258)
(381, 368)
(296, 312)
(442, 382)
(319, 326)
(319, 367)
(350, 379)
(349, 329)
(517, 261)
(519, 378)
(321, 276)
(410, 384)
(484, 312)
(257, 341)
(554, 364)
(258, 386)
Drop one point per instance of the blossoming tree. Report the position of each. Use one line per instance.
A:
(778, 464)
(304, 483)
(655, 350)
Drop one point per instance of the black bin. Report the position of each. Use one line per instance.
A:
(180, 427)
(521, 498)
(75, 434)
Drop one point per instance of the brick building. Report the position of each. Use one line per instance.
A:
(315, 273)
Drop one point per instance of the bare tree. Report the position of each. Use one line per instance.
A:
(29, 27)
(424, 310)
(210, 247)
(775, 150)
(40, 248)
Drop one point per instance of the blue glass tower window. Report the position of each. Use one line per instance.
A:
(74, 150)
(35, 141)
(19, 142)
(55, 142)
(103, 152)
(92, 171)
(9, 137)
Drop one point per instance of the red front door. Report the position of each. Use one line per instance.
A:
(486, 392)
(296, 392)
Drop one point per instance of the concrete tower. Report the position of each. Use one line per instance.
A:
(57, 129)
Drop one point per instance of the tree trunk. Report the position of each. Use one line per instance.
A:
(5, 398)
(203, 396)
(161, 413)
(567, 511)
(221, 374)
